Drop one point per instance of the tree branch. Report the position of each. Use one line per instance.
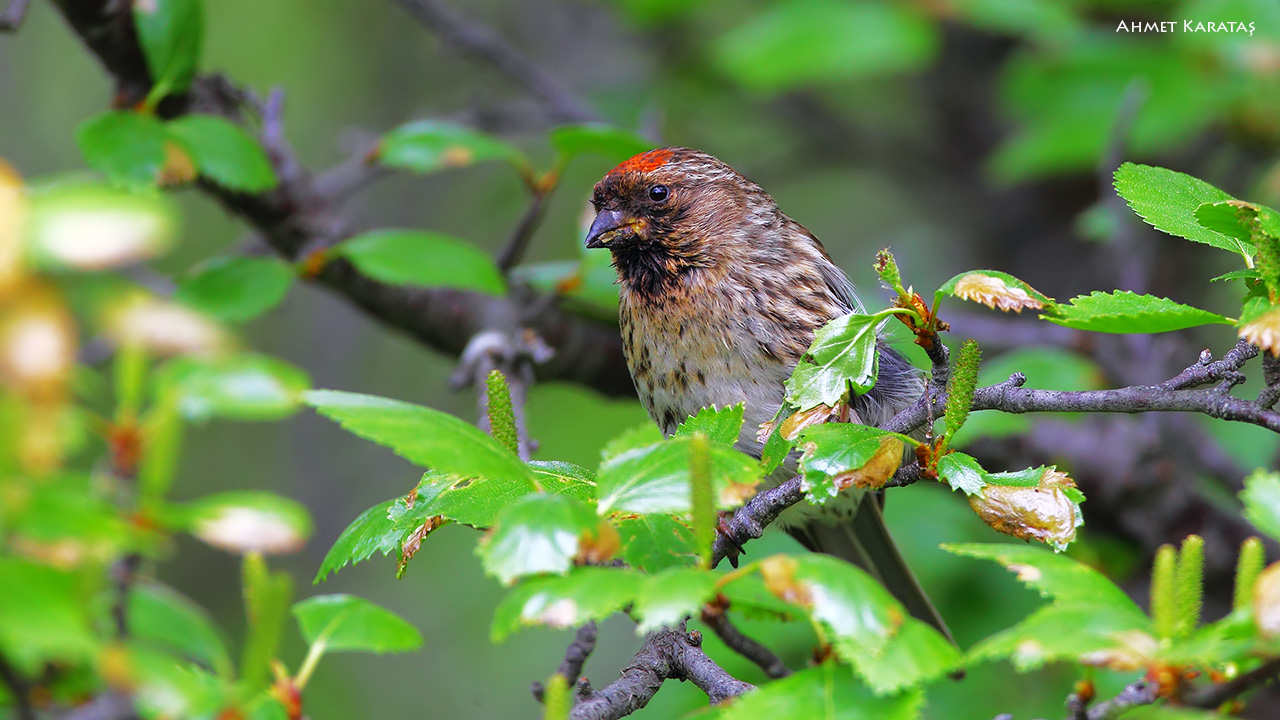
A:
(11, 18)
(714, 617)
(1214, 695)
(669, 653)
(1170, 396)
(296, 216)
(19, 688)
(481, 42)
(575, 656)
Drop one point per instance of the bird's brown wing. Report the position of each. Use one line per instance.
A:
(839, 284)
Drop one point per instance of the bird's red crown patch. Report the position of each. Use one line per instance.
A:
(645, 161)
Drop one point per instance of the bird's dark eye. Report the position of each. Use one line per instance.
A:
(658, 193)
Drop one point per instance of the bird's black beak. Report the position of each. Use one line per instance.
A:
(606, 226)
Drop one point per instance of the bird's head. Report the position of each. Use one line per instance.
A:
(668, 212)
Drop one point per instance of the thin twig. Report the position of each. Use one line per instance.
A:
(11, 18)
(515, 248)
(714, 617)
(1215, 402)
(575, 656)
(1214, 695)
(479, 41)
(124, 573)
(1133, 695)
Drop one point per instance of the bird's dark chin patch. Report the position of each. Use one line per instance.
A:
(648, 269)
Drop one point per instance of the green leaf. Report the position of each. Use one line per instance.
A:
(248, 521)
(1122, 311)
(669, 596)
(656, 542)
(266, 602)
(1236, 218)
(962, 472)
(478, 501)
(426, 259)
(420, 435)
(856, 614)
(1065, 102)
(656, 478)
(565, 478)
(369, 533)
(1242, 274)
(346, 622)
(843, 353)
(427, 146)
(841, 455)
(827, 691)
(44, 616)
(162, 616)
(171, 33)
(609, 141)
(124, 145)
(1073, 631)
(224, 152)
(235, 289)
(537, 534)
(94, 226)
(719, 425)
(587, 593)
(166, 687)
(1169, 200)
(917, 654)
(800, 42)
(1054, 576)
(234, 387)
(1261, 498)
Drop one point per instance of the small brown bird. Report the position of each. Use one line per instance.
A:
(721, 296)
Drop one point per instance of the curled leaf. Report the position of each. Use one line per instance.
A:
(1045, 512)
(779, 573)
(1266, 601)
(164, 328)
(995, 293)
(37, 344)
(1264, 331)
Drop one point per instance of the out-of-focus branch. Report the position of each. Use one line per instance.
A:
(667, 654)
(714, 617)
(11, 18)
(19, 688)
(296, 217)
(520, 237)
(514, 353)
(483, 43)
(1214, 695)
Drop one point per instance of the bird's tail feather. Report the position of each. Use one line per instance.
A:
(865, 542)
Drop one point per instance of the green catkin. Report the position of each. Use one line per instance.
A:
(1252, 559)
(887, 268)
(502, 419)
(1189, 585)
(701, 499)
(1164, 605)
(964, 379)
(556, 701)
(1267, 259)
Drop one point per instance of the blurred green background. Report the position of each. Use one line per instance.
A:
(960, 133)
